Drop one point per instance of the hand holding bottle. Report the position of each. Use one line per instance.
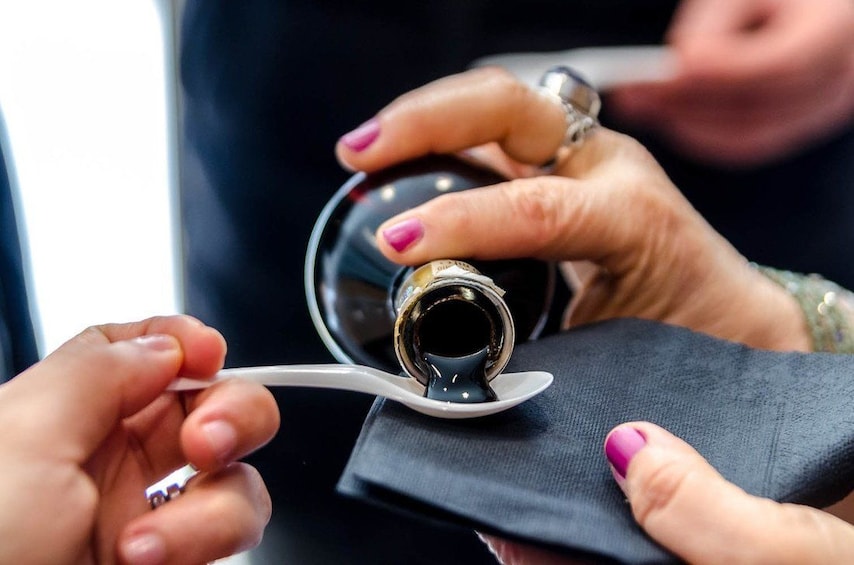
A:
(608, 203)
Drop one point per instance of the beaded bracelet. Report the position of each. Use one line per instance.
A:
(829, 308)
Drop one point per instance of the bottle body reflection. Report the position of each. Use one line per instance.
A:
(358, 298)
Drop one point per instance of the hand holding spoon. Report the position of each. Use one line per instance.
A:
(511, 388)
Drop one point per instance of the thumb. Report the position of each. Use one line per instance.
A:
(68, 403)
(689, 508)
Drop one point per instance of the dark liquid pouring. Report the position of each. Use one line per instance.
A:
(459, 379)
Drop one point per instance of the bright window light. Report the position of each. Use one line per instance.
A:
(85, 90)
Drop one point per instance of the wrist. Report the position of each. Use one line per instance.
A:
(738, 303)
(783, 325)
(827, 310)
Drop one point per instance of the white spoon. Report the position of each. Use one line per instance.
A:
(511, 388)
(604, 67)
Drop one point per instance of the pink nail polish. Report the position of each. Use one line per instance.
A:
(363, 136)
(403, 234)
(622, 444)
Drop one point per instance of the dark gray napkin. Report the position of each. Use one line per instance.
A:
(779, 425)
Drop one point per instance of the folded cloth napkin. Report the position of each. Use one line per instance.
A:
(780, 425)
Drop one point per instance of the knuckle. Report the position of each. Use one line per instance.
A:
(637, 149)
(261, 496)
(232, 536)
(523, 214)
(92, 335)
(249, 505)
(537, 206)
(654, 207)
(659, 215)
(505, 85)
(496, 77)
(81, 495)
(93, 347)
(262, 505)
(254, 495)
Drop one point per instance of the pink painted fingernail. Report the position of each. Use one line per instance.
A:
(403, 234)
(622, 444)
(363, 136)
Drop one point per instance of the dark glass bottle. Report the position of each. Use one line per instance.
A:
(371, 311)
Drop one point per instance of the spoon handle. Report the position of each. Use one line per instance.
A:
(604, 67)
(356, 378)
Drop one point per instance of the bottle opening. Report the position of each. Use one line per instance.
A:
(454, 327)
(450, 310)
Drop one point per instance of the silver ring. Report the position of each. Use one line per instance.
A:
(579, 100)
(170, 487)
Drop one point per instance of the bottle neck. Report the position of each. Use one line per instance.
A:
(449, 309)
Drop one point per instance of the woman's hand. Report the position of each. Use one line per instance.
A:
(609, 203)
(757, 79)
(686, 506)
(89, 428)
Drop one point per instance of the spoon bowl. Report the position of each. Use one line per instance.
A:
(511, 388)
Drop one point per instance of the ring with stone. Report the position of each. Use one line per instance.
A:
(579, 100)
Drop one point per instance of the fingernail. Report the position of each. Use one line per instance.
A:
(621, 446)
(157, 342)
(222, 438)
(145, 549)
(403, 234)
(363, 136)
(193, 320)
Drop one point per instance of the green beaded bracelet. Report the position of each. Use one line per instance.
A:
(829, 308)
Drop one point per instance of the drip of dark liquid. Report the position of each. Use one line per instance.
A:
(459, 379)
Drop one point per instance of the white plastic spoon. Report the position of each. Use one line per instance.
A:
(604, 67)
(511, 388)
